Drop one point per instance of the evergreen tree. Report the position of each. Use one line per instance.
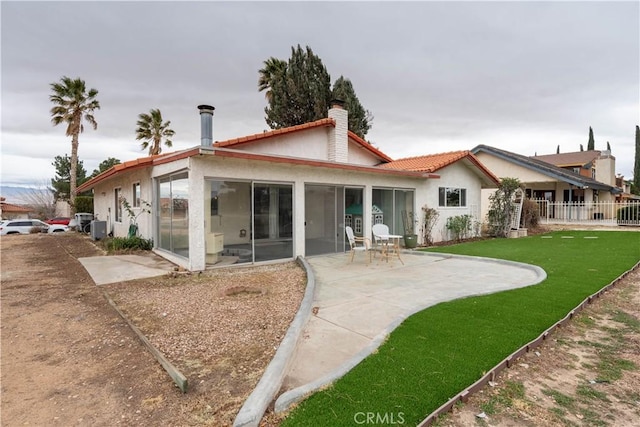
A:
(581, 147)
(558, 150)
(105, 165)
(299, 91)
(608, 146)
(591, 145)
(62, 182)
(636, 167)
(359, 118)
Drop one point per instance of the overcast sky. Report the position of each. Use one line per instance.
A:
(437, 76)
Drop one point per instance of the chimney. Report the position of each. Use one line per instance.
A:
(206, 125)
(338, 135)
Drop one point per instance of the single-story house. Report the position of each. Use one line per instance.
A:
(13, 211)
(276, 195)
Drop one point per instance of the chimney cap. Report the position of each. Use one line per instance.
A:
(205, 107)
(337, 103)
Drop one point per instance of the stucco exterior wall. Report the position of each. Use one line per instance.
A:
(104, 203)
(456, 175)
(606, 169)
(504, 169)
(313, 145)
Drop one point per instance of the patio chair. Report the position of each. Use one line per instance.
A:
(358, 244)
(379, 230)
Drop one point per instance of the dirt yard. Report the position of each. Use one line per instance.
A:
(69, 359)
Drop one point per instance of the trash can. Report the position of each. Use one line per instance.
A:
(98, 230)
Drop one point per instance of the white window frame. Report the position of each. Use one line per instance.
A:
(447, 190)
(117, 193)
(136, 197)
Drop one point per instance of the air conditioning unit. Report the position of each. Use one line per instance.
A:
(98, 230)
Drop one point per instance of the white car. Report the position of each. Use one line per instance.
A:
(23, 226)
(58, 228)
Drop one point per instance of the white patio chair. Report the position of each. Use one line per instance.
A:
(379, 230)
(358, 244)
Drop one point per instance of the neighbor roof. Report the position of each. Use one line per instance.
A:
(578, 158)
(433, 162)
(10, 207)
(545, 168)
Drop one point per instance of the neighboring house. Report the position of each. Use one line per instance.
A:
(458, 191)
(625, 185)
(11, 211)
(273, 195)
(571, 181)
(595, 164)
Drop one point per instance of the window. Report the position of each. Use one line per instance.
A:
(452, 197)
(136, 195)
(118, 205)
(576, 170)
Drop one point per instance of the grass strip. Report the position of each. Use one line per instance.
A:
(438, 352)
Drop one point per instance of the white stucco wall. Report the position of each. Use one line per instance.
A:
(504, 169)
(104, 203)
(456, 175)
(309, 144)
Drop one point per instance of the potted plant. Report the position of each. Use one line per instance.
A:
(409, 222)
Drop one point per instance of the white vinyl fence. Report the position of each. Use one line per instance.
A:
(594, 213)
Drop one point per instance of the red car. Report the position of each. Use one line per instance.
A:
(59, 220)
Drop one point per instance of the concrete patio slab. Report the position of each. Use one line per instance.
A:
(359, 304)
(119, 268)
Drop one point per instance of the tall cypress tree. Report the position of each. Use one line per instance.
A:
(299, 91)
(591, 145)
(636, 168)
(558, 150)
(359, 118)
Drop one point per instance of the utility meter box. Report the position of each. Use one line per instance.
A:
(98, 230)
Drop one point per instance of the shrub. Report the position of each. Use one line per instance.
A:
(459, 226)
(128, 243)
(430, 217)
(629, 213)
(530, 214)
(84, 204)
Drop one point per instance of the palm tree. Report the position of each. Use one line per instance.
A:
(73, 105)
(151, 130)
(273, 67)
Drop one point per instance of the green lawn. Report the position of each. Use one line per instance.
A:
(438, 352)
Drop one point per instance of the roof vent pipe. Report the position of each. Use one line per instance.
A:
(206, 125)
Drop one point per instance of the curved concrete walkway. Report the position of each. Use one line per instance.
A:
(357, 305)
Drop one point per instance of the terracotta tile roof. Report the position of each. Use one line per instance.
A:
(270, 134)
(578, 158)
(138, 163)
(10, 207)
(428, 163)
(433, 162)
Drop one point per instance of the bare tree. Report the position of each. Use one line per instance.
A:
(40, 199)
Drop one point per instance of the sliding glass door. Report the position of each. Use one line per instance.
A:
(328, 209)
(248, 221)
(173, 223)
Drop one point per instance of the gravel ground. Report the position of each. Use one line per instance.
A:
(219, 328)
